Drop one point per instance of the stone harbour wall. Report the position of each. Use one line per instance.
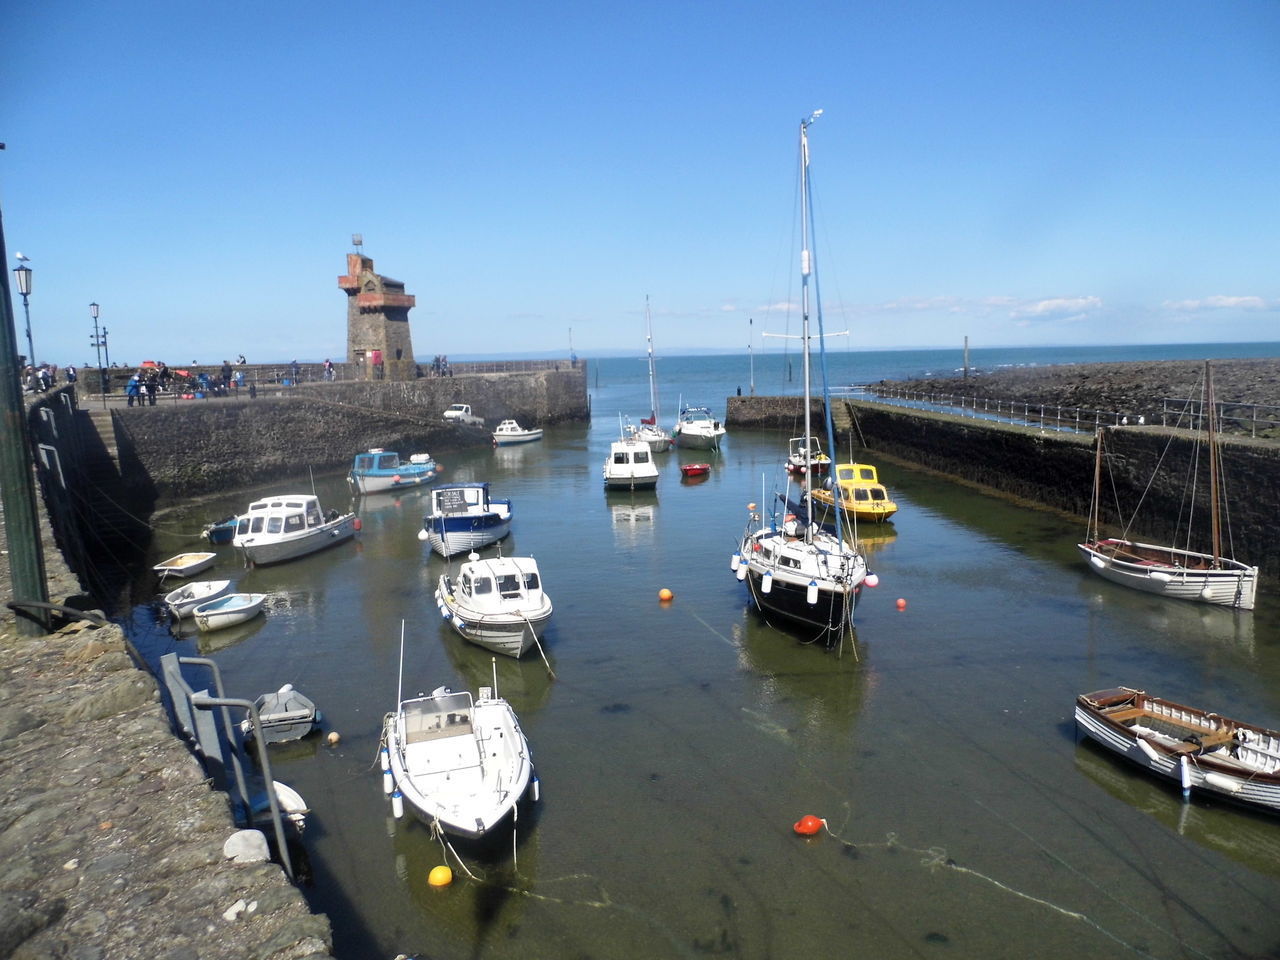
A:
(111, 839)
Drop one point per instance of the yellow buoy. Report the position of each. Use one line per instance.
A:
(333, 738)
(440, 876)
(665, 594)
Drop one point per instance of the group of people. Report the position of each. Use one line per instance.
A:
(38, 379)
(440, 366)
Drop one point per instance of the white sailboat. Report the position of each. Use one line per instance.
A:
(793, 568)
(1173, 571)
(649, 432)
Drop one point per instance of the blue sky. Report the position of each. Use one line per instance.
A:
(1018, 173)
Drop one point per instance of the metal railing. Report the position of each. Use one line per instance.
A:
(1234, 416)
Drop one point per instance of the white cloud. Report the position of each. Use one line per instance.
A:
(1056, 308)
(1221, 303)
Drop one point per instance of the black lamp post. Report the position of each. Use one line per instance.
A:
(22, 274)
(99, 342)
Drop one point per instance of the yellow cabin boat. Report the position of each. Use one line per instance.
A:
(861, 491)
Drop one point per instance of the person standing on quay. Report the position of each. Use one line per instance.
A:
(226, 375)
(133, 390)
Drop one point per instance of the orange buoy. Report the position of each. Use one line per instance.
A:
(751, 506)
(664, 594)
(333, 738)
(440, 876)
(808, 825)
(902, 604)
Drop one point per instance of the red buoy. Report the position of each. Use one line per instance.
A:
(356, 524)
(808, 825)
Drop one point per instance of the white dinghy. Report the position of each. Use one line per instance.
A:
(183, 601)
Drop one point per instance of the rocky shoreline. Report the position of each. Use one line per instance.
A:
(1131, 388)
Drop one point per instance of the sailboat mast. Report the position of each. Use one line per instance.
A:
(1211, 429)
(653, 381)
(806, 268)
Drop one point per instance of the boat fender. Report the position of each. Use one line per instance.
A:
(1098, 562)
(1206, 594)
(766, 582)
(1160, 577)
(742, 572)
(811, 594)
(1223, 783)
(537, 790)
(734, 561)
(871, 580)
(356, 524)
(397, 805)
(1148, 749)
(1184, 774)
(388, 781)
(422, 535)
(461, 625)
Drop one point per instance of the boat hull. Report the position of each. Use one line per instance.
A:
(1233, 584)
(404, 479)
(452, 535)
(512, 439)
(697, 441)
(185, 564)
(183, 601)
(227, 611)
(260, 552)
(511, 637)
(1173, 741)
(441, 786)
(832, 612)
(630, 483)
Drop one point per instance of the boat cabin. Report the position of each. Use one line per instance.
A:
(626, 452)
(494, 584)
(460, 498)
(435, 718)
(376, 460)
(856, 473)
(280, 515)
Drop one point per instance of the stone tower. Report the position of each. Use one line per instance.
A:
(377, 322)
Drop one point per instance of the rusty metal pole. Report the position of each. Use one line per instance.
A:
(17, 484)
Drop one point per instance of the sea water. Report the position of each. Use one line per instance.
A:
(677, 743)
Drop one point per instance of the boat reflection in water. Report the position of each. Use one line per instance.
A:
(1247, 837)
(208, 642)
(632, 514)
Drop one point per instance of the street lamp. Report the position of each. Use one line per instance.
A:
(99, 342)
(23, 275)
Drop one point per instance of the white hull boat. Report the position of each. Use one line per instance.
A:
(697, 429)
(379, 471)
(463, 517)
(1177, 571)
(509, 433)
(649, 432)
(288, 526)
(630, 466)
(1199, 750)
(227, 611)
(496, 603)
(460, 765)
(183, 601)
(185, 565)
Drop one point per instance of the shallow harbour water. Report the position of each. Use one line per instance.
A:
(678, 743)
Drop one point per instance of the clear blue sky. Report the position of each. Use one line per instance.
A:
(1020, 173)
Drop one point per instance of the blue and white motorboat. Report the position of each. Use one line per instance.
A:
(463, 517)
(220, 532)
(379, 471)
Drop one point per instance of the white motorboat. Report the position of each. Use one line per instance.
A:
(185, 565)
(283, 715)
(459, 764)
(630, 465)
(229, 610)
(293, 809)
(289, 525)
(463, 517)
(497, 603)
(509, 433)
(698, 429)
(381, 471)
(183, 601)
(793, 568)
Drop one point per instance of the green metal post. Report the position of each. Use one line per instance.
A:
(17, 484)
